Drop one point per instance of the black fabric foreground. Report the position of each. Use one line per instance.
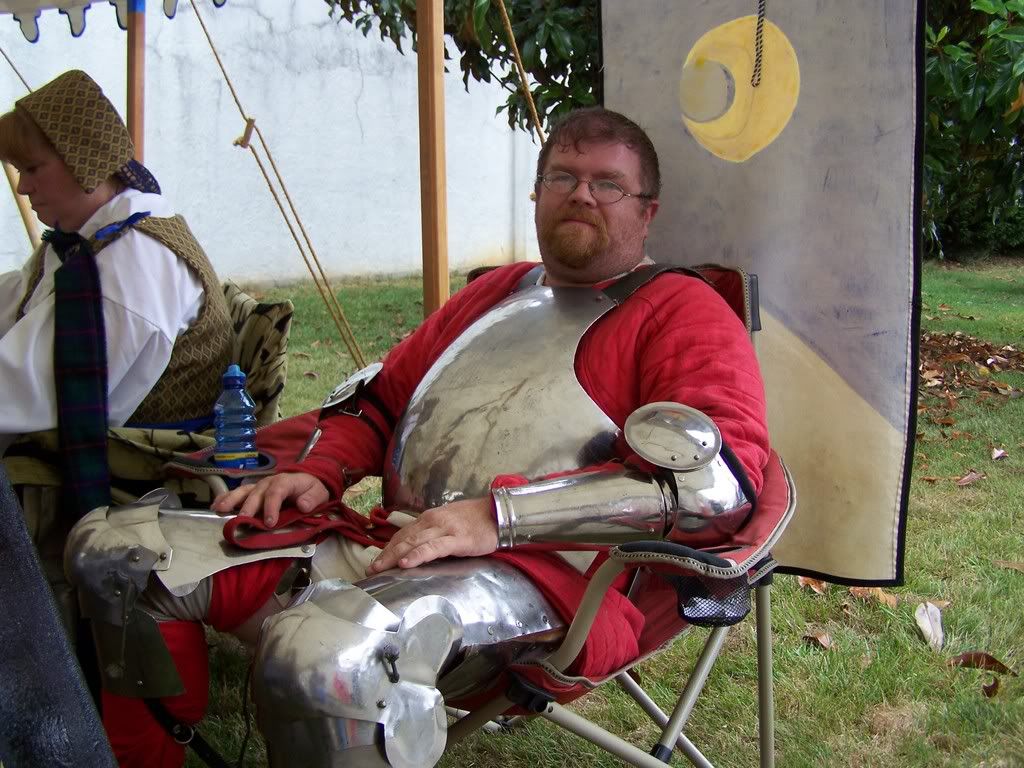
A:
(47, 717)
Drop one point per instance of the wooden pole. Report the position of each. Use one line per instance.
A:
(433, 196)
(137, 74)
(27, 217)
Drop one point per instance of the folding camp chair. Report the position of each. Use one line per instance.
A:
(674, 586)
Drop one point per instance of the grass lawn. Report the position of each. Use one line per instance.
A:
(879, 696)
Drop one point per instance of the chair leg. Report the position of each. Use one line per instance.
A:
(647, 704)
(699, 676)
(765, 697)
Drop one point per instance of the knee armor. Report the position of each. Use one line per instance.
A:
(110, 556)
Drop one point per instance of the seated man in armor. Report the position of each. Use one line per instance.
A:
(116, 318)
(500, 427)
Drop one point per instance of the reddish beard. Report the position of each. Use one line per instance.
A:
(571, 243)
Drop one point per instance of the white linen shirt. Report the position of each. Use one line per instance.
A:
(149, 297)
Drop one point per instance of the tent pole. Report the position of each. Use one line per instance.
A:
(137, 74)
(433, 195)
(27, 218)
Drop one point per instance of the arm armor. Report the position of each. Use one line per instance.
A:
(698, 500)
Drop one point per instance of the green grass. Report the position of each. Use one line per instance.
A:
(880, 696)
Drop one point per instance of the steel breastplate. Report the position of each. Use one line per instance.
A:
(502, 399)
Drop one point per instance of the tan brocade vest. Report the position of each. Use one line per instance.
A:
(191, 382)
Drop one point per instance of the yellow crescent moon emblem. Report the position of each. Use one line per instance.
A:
(720, 108)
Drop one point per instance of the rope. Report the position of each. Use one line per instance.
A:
(755, 79)
(524, 85)
(323, 285)
(23, 81)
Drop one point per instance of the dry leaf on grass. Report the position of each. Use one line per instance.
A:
(817, 585)
(991, 688)
(302, 355)
(980, 660)
(929, 621)
(998, 453)
(821, 639)
(875, 593)
(972, 476)
(311, 374)
(1010, 565)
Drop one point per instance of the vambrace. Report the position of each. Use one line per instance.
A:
(698, 495)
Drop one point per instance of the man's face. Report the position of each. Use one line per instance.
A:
(54, 193)
(583, 241)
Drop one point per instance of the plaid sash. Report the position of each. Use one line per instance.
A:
(80, 368)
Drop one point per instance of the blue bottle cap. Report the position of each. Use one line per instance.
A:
(234, 374)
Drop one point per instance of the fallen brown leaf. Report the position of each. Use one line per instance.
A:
(972, 476)
(980, 660)
(991, 688)
(875, 593)
(1011, 565)
(311, 374)
(930, 479)
(821, 639)
(815, 584)
(302, 355)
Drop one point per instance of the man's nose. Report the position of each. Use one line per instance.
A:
(582, 195)
(24, 187)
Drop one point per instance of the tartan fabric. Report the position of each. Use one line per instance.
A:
(80, 374)
(86, 131)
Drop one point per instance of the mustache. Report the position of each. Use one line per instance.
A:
(582, 214)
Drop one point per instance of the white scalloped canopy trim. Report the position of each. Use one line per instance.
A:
(26, 13)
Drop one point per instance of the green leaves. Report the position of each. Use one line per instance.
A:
(557, 40)
(974, 70)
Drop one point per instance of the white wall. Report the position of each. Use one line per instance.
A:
(340, 114)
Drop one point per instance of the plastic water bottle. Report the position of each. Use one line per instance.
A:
(234, 423)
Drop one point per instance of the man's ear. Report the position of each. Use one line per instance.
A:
(652, 209)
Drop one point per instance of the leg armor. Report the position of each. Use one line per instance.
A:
(356, 675)
(110, 556)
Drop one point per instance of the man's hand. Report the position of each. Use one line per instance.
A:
(270, 493)
(463, 528)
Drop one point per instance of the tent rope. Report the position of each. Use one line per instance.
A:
(23, 80)
(320, 280)
(524, 84)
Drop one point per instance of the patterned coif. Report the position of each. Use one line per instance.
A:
(82, 125)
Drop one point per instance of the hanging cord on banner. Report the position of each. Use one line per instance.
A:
(524, 84)
(755, 79)
(321, 282)
(31, 228)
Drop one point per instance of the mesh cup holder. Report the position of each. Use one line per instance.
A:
(709, 602)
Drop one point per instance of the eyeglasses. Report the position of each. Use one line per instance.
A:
(603, 190)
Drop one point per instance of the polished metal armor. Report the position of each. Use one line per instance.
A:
(503, 398)
(346, 663)
(109, 557)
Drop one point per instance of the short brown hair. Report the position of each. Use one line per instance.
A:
(19, 137)
(597, 124)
